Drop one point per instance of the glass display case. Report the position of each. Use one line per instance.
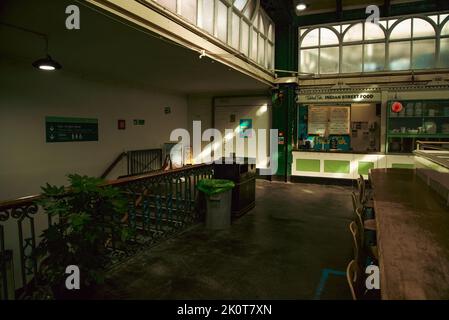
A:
(416, 120)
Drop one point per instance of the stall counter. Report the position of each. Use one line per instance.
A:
(343, 165)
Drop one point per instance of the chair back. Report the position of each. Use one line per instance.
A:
(356, 240)
(360, 225)
(361, 189)
(353, 278)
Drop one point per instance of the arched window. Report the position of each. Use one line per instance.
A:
(325, 59)
(412, 45)
(373, 32)
(402, 30)
(354, 33)
(422, 28)
(311, 39)
(328, 37)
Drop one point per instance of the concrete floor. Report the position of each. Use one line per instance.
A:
(277, 251)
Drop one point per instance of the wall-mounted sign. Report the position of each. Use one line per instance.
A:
(139, 122)
(340, 97)
(329, 120)
(63, 129)
(245, 128)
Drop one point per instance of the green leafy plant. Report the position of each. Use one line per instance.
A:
(86, 221)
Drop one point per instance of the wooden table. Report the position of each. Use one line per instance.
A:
(412, 236)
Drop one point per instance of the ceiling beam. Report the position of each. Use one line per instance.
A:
(387, 8)
(339, 9)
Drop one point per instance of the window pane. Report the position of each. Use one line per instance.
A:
(403, 30)
(328, 37)
(423, 54)
(442, 17)
(309, 61)
(399, 58)
(261, 24)
(445, 31)
(269, 57)
(311, 39)
(245, 39)
(352, 58)
(373, 32)
(235, 31)
(222, 21)
(422, 28)
(169, 4)
(444, 53)
(239, 4)
(207, 16)
(355, 33)
(435, 19)
(374, 57)
(188, 10)
(250, 9)
(329, 60)
(270, 32)
(254, 40)
(261, 54)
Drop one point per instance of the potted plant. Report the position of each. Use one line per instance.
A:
(87, 218)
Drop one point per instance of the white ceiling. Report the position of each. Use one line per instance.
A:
(106, 49)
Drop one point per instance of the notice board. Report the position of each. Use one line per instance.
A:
(329, 120)
(62, 129)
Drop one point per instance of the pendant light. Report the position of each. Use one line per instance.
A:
(47, 63)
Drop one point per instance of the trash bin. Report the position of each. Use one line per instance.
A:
(218, 202)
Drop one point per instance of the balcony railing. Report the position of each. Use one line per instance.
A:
(160, 205)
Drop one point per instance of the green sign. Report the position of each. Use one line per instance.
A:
(59, 129)
(245, 126)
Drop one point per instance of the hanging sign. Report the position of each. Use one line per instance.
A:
(62, 129)
(340, 97)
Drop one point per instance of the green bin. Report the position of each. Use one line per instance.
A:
(218, 194)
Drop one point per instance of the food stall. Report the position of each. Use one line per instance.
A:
(343, 133)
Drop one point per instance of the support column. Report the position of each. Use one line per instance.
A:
(284, 113)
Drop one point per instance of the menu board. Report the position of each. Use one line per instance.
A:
(318, 120)
(329, 120)
(339, 120)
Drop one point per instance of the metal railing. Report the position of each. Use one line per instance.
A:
(138, 162)
(160, 205)
(143, 161)
(432, 145)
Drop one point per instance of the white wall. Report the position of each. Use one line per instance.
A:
(27, 96)
(200, 108)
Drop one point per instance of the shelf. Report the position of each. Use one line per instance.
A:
(420, 117)
(407, 135)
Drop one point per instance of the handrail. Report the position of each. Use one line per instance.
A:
(114, 164)
(118, 182)
(159, 205)
(431, 145)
